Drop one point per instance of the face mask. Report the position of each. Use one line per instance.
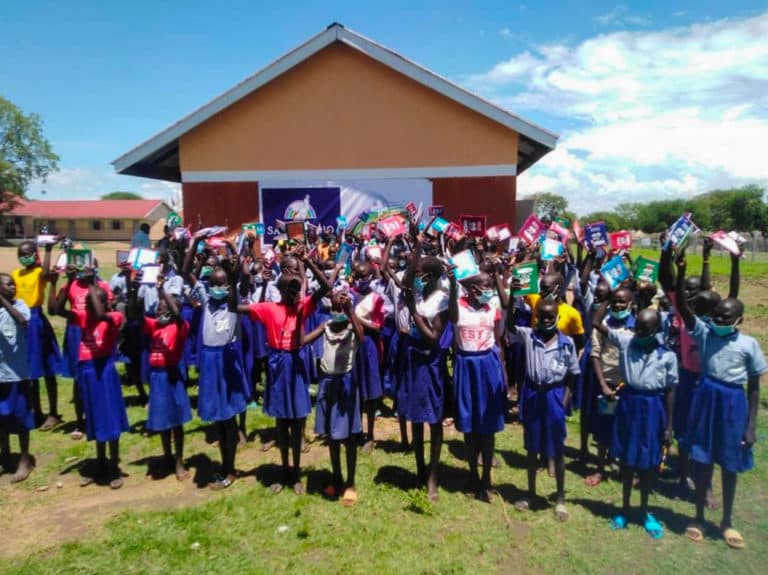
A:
(553, 295)
(206, 271)
(362, 285)
(705, 318)
(219, 293)
(402, 264)
(623, 314)
(547, 331)
(164, 319)
(418, 285)
(723, 330)
(27, 261)
(646, 341)
(338, 317)
(485, 296)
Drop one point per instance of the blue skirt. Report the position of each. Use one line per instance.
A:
(287, 393)
(222, 392)
(719, 417)
(543, 417)
(367, 370)
(102, 396)
(247, 346)
(260, 349)
(192, 315)
(480, 392)
(392, 361)
(581, 399)
(43, 349)
(638, 429)
(683, 396)
(338, 407)
(16, 411)
(421, 389)
(168, 399)
(71, 353)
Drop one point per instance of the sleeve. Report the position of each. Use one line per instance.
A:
(672, 373)
(573, 359)
(259, 311)
(23, 309)
(142, 291)
(174, 286)
(756, 361)
(699, 334)
(149, 325)
(597, 344)
(521, 335)
(618, 338)
(198, 294)
(576, 325)
(377, 314)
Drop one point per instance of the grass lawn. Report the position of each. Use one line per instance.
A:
(51, 525)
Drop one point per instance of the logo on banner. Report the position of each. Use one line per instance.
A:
(300, 210)
(319, 206)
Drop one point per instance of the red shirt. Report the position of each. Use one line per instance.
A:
(167, 344)
(280, 322)
(78, 294)
(99, 337)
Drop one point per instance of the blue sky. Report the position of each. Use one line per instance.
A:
(651, 99)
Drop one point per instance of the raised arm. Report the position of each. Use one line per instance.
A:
(357, 325)
(597, 319)
(735, 280)
(681, 303)
(99, 309)
(189, 259)
(706, 276)
(666, 272)
(170, 301)
(453, 295)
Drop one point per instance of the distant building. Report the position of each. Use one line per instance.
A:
(89, 220)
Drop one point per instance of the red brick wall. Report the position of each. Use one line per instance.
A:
(491, 196)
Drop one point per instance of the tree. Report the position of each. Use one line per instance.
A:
(122, 196)
(25, 154)
(549, 206)
(613, 221)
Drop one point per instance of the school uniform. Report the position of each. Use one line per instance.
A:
(479, 389)
(129, 342)
(541, 403)
(97, 378)
(288, 372)
(42, 349)
(641, 417)
(222, 389)
(168, 400)
(16, 409)
(337, 412)
(719, 407)
(149, 295)
(423, 372)
(367, 370)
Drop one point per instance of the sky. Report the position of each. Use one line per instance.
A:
(651, 100)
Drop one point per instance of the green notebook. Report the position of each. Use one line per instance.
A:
(528, 274)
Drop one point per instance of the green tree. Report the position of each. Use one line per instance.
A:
(549, 206)
(613, 221)
(25, 154)
(122, 196)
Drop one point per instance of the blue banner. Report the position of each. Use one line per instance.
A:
(319, 206)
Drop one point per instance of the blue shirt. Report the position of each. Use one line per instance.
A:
(140, 240)
(654, 371)
(732, 359)
(547, 364)
(173, 285)
(14, 363)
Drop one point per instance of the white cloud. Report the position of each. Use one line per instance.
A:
(505, 32)
(92, 183)
(651, 114)
(619, 16)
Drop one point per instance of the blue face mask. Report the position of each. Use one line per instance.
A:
(623, 314)
(722, 330)
(338, 317)
(547, 331)
(219, 293)
(418, 285)
(646, 342)
(484, 296)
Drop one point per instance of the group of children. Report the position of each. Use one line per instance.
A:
(642, 365)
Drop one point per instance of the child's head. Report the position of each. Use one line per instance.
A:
(705, 302)
(727, 314)
(551, 286)
(692, 288)
(620, 302)
(289, 265)
(646, 326)
(479, 288)
(362, 276)
(547, 316)
(289, 286)
(602, 292)
(429, 270)
(7, 287)
(27, 253)
(218, 287)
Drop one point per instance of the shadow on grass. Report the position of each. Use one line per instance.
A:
(398, 477)
(671, 520)
(204, 467)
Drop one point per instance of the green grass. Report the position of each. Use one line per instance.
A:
(720, 263)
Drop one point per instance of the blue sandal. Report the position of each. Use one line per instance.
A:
(653, 527)
(618, 522)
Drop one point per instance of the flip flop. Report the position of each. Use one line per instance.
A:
(653, 527)
(350, 497)
(561, 513)
(116, 483)
(618, 522)
(220, 483)
(76, 435)
(733, 538)
(694, 533)
(522, 505)
(299, 489)
(50, 422)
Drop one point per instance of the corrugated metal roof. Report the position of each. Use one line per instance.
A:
(82, 209)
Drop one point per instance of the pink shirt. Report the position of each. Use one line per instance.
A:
(280, 322)
(78, 294)
(475, 328)
(99, 337)
(167, 344)
(689, 352)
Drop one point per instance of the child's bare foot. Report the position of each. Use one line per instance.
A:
(369, 446)
(242, 439)
(593, 480)
(50, 422)
(76, 435)
(182, 474)
(299, 489)
(712, 501)
(23, 470)
(220, 483)
(350, 497)
(266, 446)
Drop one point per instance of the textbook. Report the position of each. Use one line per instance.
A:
(596, 234)
(140, 257)
(614, 271)
(532, 229)
(551, 249)
(473, 226)
(466, 266)
(81, 259)
(528, 274)
(645, 269)
(392, 226)
(620, 240)
(680, 233)
(728, 241)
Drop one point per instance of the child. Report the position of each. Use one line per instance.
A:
(286, 397)
(16, 411)
(338, 396)
(169, 406)
(478, 374)
(43, 349)
(551, 367)
(721, 427)
(605, 357)
(642, 423)
(97, 378)
(421, 392)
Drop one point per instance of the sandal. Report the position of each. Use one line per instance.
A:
(694, 533)
(593, 480)
(653, 527)
(561, 513)
(350, 497)
(733, 538)
(619, 522)
(116, 483)
(522, 505)
(76, 435)
(299, 489)
(220, 483)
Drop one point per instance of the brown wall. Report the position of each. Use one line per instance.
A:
(343, 110)
(492, 196)
(228, 203)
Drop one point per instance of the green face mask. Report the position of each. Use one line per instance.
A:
(722, 330)
(205, 271)
(27, 261)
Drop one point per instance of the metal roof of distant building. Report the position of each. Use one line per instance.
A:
(85, 209)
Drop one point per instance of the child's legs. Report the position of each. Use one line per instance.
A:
(683, 462)
(178, 442)
(487, 444)
(702, 477)
(647, 479)
(350, 446)
(418, 448)
(35, 398)
(583, 432)
(297, 436)
(627, 476)
(370, 412)
(560, 477)
(531, 465)
(472, 442)
(334, 447)
(165, 440)
(52, 390)
(729, 494)
(229, 428)
(78, 401)
(5, 443)
(403, 430)
(283, 441)
(435, 447)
